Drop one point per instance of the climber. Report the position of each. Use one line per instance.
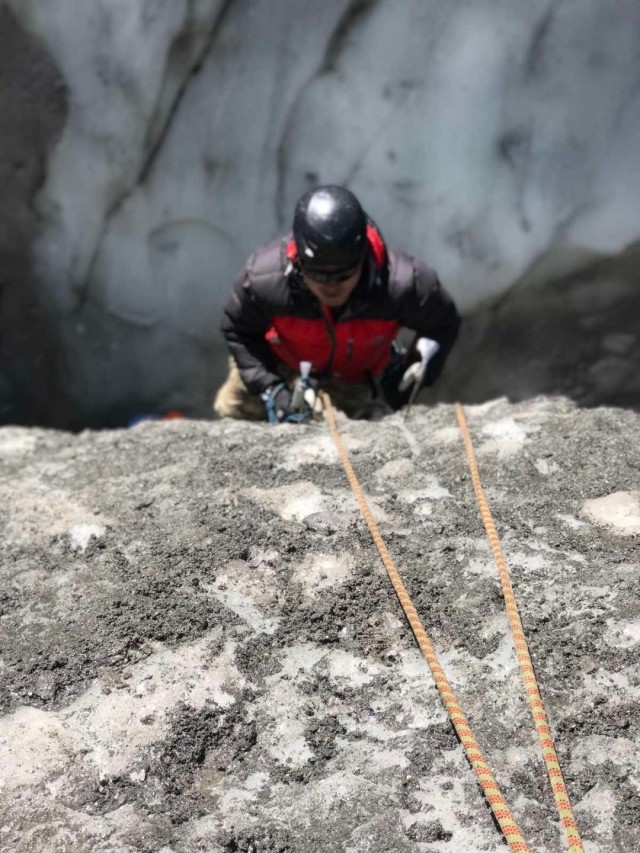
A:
(334, 295)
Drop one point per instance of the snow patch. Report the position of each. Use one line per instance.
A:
(423, 509)
(33, 745)
(545, 467)
(600, 803)
(38, 512)
(431, 491)
(506, 437)
(106, 728)
(623, 635)
(619, 511)
(317, 450)
(292, 502)
(396, 469)
(14, 441)
(81, 534)
(445, 435)
(571, 521)
(320, 571)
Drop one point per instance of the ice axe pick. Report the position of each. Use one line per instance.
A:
(416, 372)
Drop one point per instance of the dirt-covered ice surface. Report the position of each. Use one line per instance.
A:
(200, 651)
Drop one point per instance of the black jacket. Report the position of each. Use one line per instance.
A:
(272, 317)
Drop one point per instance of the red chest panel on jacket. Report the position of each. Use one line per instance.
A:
(347, 350)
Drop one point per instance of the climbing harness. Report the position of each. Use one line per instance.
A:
(486, 779)
(268, 398)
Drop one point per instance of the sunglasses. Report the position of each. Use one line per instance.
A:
(334, 277)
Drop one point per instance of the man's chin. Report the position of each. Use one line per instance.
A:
(333, 301)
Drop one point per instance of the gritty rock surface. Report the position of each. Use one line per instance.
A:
(200, 650)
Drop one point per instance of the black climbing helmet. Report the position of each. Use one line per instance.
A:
(329, 229)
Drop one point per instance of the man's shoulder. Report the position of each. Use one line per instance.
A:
(264, 276)
(404, 269)
(268, 262)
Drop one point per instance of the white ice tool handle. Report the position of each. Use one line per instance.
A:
(427, 349)
(301, 391)
(415, 373)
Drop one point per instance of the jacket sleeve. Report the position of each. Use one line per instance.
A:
(427, 308)
(244, 325)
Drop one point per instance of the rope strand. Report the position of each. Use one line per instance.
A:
(488, 783)
(527, 672)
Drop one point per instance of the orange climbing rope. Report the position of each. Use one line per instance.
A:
(488, 783)
(540, 720)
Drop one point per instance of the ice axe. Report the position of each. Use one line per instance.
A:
(304, 396)
(416, 372)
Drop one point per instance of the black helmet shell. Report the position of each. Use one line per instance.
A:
(329, 228)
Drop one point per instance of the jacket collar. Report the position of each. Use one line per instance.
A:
(373, 280)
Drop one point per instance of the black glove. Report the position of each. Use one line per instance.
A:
(392, 377)
(408, 369)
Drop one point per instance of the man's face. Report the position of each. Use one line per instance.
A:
(333, 293)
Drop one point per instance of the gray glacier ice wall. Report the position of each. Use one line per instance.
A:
(148, 146)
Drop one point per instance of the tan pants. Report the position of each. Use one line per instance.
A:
(233, 400)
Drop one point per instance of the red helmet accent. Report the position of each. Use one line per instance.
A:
(376, 244)
(292, 250)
